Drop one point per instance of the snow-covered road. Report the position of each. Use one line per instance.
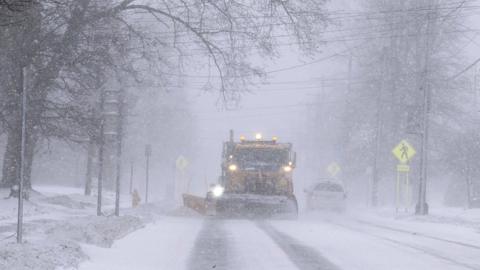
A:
(309, 243)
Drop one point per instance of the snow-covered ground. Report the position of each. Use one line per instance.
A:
(371, 240)
(364, 243)
(163, 245)
(58, 221)
(62, 232)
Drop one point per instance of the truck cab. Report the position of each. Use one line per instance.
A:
(256, 178)
(258, 167)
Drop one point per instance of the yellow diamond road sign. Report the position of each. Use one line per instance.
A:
(404, 152)
(333, 169)
(181, 163)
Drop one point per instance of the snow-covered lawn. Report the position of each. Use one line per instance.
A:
(57, 221)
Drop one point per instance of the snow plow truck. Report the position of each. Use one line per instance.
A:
(255, 182)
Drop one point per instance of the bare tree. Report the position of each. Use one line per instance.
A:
(407, 50)
(62, 43)
(15, 5)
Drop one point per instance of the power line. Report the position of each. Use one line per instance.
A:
(342, 15)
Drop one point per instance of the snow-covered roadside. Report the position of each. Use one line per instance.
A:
(57, 223)
(444, 215)
(164, 244)
(451, 235)
(356, 250)
(57, 243)
(450, 223)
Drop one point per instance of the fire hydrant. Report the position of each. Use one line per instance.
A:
(135, 198)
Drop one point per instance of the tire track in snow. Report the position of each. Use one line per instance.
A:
(304, 257)
(424, 250)
(211, 248)
(419, 234)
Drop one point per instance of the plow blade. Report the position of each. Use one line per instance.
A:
(256, 206)
(194, 202)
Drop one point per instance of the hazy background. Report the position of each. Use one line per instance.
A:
(297, 89)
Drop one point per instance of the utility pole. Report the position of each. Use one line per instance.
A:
(378, 132)
(470, 186)
(349, 82)
(24, 80)
(347, 104)
(131, 177)
(422, 206)
(148, 153)
(121, 106)
(88, 176)
(100, 153)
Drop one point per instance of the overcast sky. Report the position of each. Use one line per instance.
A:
(280, 106)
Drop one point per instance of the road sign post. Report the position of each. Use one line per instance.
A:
(402, 193)
(21, 179)
(131, 177)
(148, 153)
(404, 152)
(181, 164)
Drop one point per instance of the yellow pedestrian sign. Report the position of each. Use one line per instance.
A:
(181, 163)
(333, 169)
(404, 152)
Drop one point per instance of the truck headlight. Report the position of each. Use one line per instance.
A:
(232, 167)
(287, 168)
(217, 191)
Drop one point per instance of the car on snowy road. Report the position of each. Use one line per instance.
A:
(326, 195)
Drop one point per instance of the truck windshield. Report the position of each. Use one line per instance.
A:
(261, 159)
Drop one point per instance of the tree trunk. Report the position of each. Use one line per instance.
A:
(89, 174)
(29, 156)
(12, 155)
(468, 182)
(11, 160)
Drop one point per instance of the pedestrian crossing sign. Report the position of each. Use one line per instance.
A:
(404, 152)
(181, 163)
(333, 169)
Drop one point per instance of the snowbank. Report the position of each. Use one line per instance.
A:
(56, 225)
(183, 211)
(165, 244)
(41, 255)
(66, 201)
(100, 231)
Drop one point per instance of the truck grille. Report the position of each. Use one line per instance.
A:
(260, 184)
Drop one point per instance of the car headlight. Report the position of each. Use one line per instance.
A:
(217, 191)
(232, 167)
(287, 168)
